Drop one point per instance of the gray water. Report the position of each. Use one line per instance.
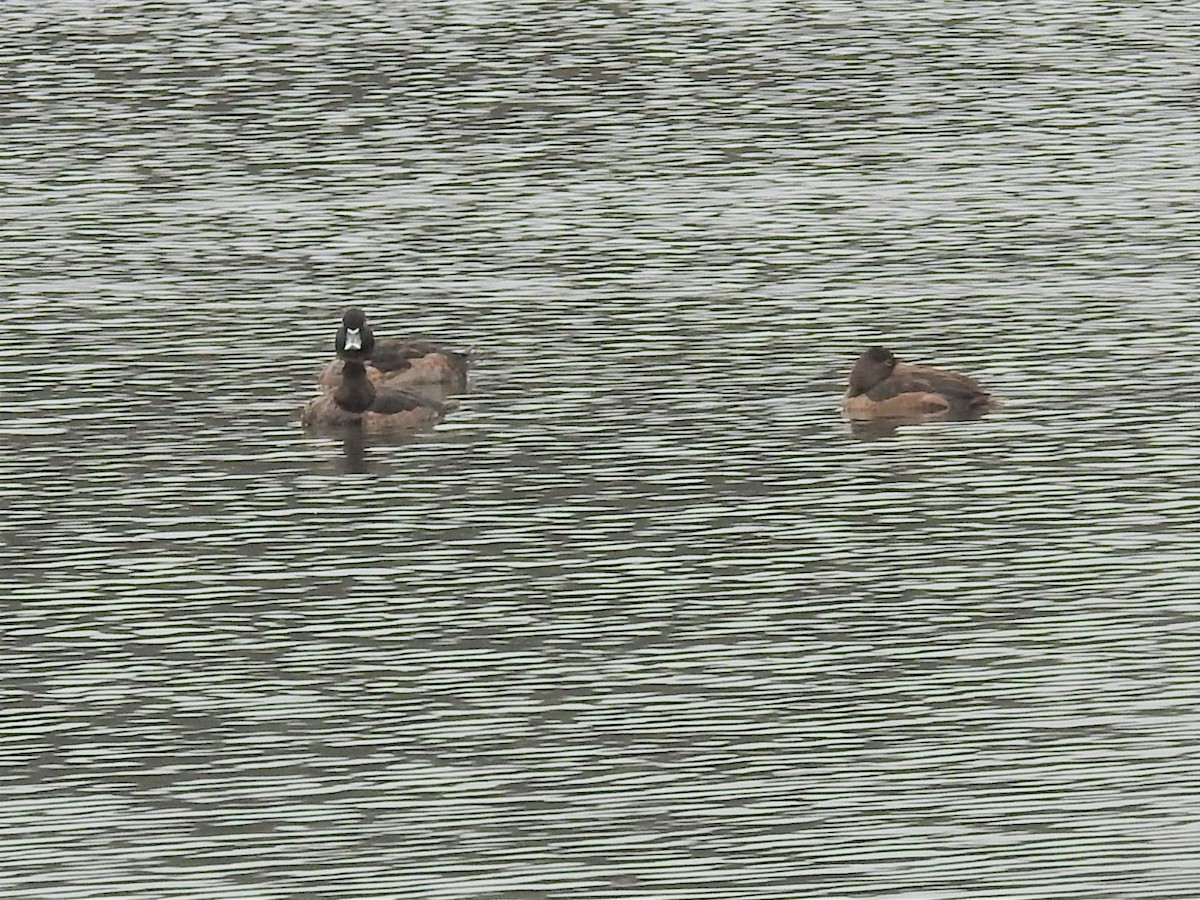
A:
(643, 618)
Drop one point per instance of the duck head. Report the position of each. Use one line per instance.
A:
(875, 365)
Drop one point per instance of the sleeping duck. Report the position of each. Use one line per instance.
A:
(883, 387)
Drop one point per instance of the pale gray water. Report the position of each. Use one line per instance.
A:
(642, 619)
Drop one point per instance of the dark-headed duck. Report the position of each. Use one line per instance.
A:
(354, 338)
(357, 401)
(397, 362)
(883, 387)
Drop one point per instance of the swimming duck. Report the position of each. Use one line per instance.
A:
(397, 362)
(883, 387)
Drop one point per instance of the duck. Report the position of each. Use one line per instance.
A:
(883, 387)
(397, 362)
(357, 402)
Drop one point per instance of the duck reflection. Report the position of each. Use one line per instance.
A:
(887, 427)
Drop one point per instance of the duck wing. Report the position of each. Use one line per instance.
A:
(951, 385)
(397, 353)
(389, 401)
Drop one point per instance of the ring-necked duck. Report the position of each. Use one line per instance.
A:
(883, 387)
(358, 401)
(397, 362)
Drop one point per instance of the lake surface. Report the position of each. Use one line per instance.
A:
(643, 618)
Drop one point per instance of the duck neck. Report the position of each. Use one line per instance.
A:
(356, 393)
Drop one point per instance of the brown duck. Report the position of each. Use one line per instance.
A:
(883, 387)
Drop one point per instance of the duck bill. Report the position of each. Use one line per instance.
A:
(353, 339)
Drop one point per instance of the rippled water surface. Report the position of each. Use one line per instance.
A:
(644, 618)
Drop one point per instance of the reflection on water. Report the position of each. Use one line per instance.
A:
(881, 428)
(643, 617)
